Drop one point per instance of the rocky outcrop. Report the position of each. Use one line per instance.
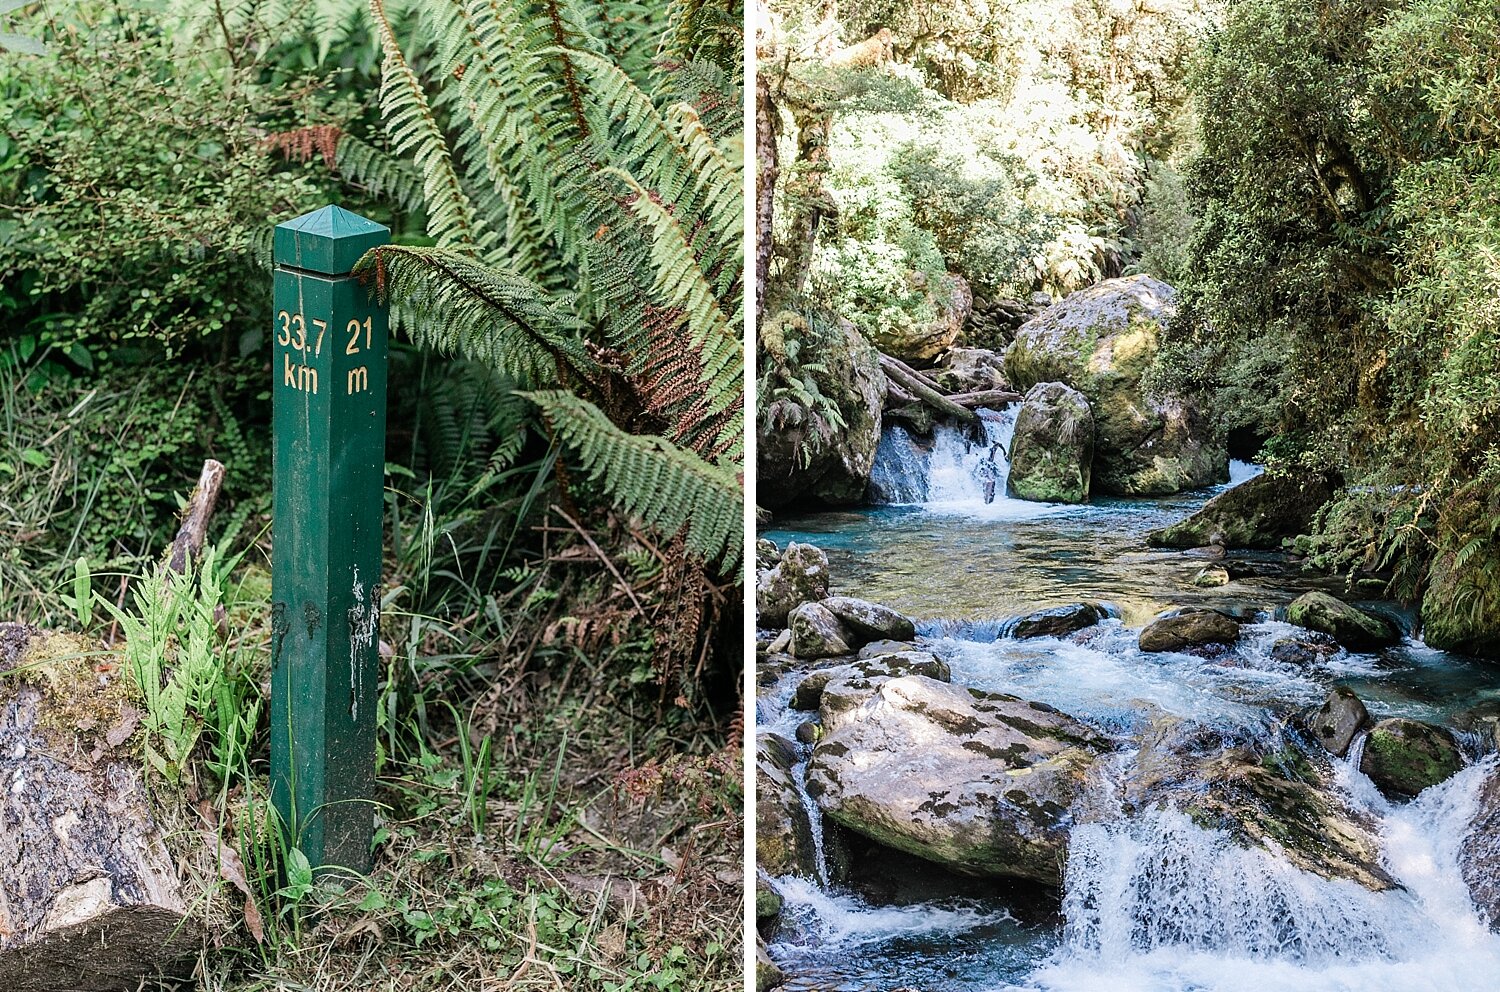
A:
(799, 576)
(870, 621)
(1338, 721)
(817, 633)
(1188, 629)
(1056, 621)
(1101, 341)
(1258, 513)
(1479, 855)
(1275, 801)
(920, 343)
(1352, 627)
(977, 782)
(1403, 757)
(801, 454)
(783, 832)
(1052, 448)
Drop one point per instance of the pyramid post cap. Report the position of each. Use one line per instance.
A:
(328, 240)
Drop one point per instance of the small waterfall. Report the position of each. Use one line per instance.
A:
(961, 466)
(814, 821)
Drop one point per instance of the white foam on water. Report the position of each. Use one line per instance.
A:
(840, 921)
(1158, 904)
(1243, 471)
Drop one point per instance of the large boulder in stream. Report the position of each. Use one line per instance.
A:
(1258, 513)
(870, 621)
(1185, 629)
(1056, 621)
(800, 576)
(840, 690)
(783, 831)
(1356, 629)
(1101, 341)
(1403, 757)
(969, 370)
(1479, 854)
(978, 782)
(1265, 796)
(817, 633)
(1338, 721)
(1052, 448)
(801, 455)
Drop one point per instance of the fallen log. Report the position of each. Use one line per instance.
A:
(90, 898)
(985, 397)
(924, 389)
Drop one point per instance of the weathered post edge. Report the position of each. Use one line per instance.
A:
(329, 354)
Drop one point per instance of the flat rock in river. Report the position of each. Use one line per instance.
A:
(978, 782)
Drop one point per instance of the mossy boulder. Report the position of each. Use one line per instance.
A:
(1403, 757)
(802, 454)
(950, 301)
(1052, 448)
(768, 974)
(783, 832)
(799, 576)
(1101, 341)
(1210, 577)
(1338, 721)
(969, 370)
(1187, 629)
(978, 782)
(1356, 629)
(1258, 513)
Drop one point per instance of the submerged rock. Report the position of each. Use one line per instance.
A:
(1338, 721)
(1188, 629)
(1053, 446)
(1349, 625)
(869, 621)
(783, 832)
(1055, 621)
(817, 633)
(800, 575)
(1257, 513)
(975, 781)
(1101, 341)
(1403, 757)
(1479, 855)
(800, 455)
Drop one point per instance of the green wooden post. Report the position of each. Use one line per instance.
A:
(328, 470)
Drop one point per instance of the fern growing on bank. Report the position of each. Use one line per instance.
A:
(583, 183)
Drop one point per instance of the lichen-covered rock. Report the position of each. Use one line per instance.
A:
(1101, 341)
(1338, 721)
(1403, 757)
(1479, 855)
(870, 621)
(800, 576)
(1052, 448)
(817, 633)
(1188, 629)
(978, 782)
(1258, 513)
(1211, 577)
(783, 832)
(859, 679)
(1056, 621)
(802, 456)
(767, 554)
(1349, 625)
(969, 370)
(921, 342)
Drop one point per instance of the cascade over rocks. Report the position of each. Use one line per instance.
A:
(976, 781)
(1188, 629)
(1056, 621)
(1338, 721)
(1352, 627)
(1186, 766)
(1307, 648)
(1053, 445)
(1257, 513)
(799, 576)
(1100, 341)
(783, 832)
(1403, 757)
(799, 460)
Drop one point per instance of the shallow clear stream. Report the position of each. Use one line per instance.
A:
(1154, 903)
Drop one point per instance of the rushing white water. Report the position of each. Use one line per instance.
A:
(842, 922)
(814, 821)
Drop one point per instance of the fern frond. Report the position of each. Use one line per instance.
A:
(450, 301)
(671, 489)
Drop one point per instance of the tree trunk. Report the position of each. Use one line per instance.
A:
(189, 541)
(89, 895)
(767, 170)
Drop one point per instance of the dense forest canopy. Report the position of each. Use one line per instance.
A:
(1317, 181)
